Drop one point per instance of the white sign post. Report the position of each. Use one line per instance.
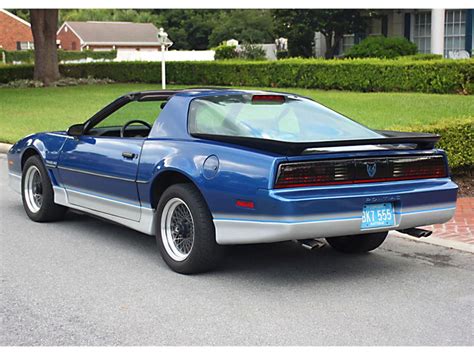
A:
(164, 44)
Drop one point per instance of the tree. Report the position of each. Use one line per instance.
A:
(299, 27)
(248, 26)
(334, 24)
(188, 29)
(44, 24)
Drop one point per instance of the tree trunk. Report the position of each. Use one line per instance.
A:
(332, 44)
(328, 52)
(44, 24)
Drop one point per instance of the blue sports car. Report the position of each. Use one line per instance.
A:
(204, 168)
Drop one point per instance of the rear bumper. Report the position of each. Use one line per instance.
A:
(293, 214)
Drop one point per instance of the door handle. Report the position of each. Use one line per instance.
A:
(128, 155)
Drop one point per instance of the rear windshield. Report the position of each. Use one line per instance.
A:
(282, 118)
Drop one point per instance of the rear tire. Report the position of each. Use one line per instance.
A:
(185, 232)
(355, 244)
(37, 193)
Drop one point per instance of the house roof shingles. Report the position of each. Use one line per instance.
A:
(115, 32)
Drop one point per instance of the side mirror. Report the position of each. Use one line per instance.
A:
(76, 130)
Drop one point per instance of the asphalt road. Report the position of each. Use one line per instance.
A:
(83, 281)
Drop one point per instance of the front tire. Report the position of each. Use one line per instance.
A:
(37, 193)
(185, 232)
(356, 244)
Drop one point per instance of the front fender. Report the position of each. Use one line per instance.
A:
(46, 145)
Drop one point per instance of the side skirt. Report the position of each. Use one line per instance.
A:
(145, 225)
(14, 181)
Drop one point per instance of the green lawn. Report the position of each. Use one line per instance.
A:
(24, 111)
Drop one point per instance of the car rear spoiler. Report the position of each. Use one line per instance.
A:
(414, 139)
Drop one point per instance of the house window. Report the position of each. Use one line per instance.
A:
(422, 32)
(454, 31)
(347, 43)
(73, 46)
(23, 46)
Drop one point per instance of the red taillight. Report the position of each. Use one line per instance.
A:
(268, 99)
(358, 171)
(419, 168)
(311, 174)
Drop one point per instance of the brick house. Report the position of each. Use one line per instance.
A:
(15, 33)
(102, 36)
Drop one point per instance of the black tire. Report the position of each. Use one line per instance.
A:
(354, 244)
(205, 253)
(49, 211)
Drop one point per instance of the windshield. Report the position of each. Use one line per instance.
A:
(271, 116)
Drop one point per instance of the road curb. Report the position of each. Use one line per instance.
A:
(4, 148)
(452, 244)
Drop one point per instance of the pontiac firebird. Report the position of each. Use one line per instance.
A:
(204, 168)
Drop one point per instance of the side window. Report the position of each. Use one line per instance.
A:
(208, 119)
(146, 111)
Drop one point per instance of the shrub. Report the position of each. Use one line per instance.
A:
(20, 56)
(15, 72)
(434, 76)
(252, 52)
(456, 139)
(28, 56)
(382, 47)
(28, 83)
(282, 54)
(225, 52)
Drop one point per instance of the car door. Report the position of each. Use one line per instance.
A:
(99, 169)
(99, 173)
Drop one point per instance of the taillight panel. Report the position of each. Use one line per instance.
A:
(357, 171)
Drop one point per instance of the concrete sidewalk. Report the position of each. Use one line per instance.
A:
(4, 148)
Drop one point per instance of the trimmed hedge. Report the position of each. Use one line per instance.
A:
(433, 76)
(28, 56)
(457, 137)
(75, 55)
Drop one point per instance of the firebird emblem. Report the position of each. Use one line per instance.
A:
(371, 169)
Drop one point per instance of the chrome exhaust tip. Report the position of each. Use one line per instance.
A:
(416, 232)
(311, 244)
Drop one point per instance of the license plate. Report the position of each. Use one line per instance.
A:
(377, 215)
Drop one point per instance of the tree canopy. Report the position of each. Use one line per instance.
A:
(206, 28)
(300, 25)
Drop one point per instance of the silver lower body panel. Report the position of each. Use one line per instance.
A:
(241, 231)
(145, 224)
(14, 181)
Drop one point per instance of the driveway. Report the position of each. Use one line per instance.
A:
(84, 281)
